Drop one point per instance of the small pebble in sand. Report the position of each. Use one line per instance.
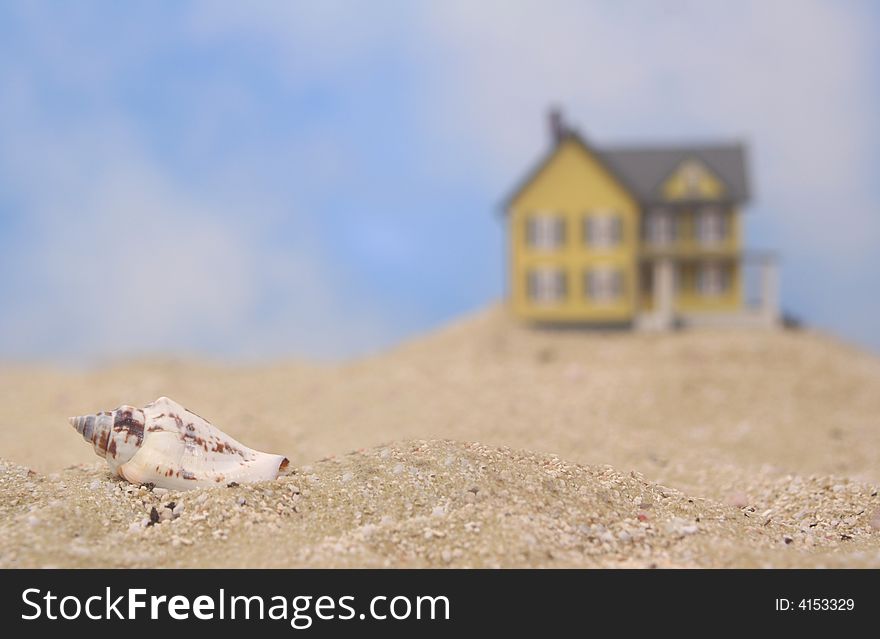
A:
(95, 485)
(737, 500)
(875, 520)
(679, 526)
(438, 511)
(347, 477)
(160, 492)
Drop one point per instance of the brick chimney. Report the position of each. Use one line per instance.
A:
(557, 126)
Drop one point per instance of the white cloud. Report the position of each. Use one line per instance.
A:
(309, 39)
(149, 267)
(126, 258)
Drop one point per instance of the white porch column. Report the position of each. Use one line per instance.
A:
(770, 291)
(663, 292)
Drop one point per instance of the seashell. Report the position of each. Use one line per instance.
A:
(171, 447)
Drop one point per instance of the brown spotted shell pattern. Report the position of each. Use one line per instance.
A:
(166, 445)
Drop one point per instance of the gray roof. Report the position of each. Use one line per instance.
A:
(644, 169)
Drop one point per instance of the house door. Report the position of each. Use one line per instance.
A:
(646, 286)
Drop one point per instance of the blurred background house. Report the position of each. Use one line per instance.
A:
(313, 179)
(646, 236)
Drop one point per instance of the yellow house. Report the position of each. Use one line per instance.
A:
(649, 237)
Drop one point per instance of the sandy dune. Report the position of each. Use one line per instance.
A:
(692, 449)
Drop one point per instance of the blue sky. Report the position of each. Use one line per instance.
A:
(321, 179)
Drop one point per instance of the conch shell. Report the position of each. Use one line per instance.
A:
(171, 447)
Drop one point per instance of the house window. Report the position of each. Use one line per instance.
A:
(545, 231)
(660, 227)
(712, 279)
(603, 284)
(677, 278)
(603, 230)
(711, 227)
(546, 285)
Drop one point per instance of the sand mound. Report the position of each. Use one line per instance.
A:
(431, 503)
(759, 427)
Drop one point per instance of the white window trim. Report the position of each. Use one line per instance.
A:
(711, 280)
(546, 286)
(660, 227)
(545, 231)
(603, 229)
(604, 284)
(711, 226)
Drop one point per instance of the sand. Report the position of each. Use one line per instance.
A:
(482, 444)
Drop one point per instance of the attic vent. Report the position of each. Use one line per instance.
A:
(692, 175)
